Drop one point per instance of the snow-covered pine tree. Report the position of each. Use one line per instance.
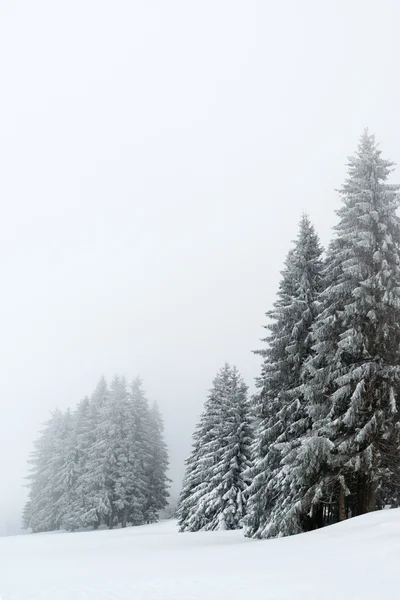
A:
(205, 452)
(157, 490)
(139, 453)
(77, 452)
(355, 382)
(310, 453)
(114, 427)
(43, 511)
(280, 409)
(191, 481)
(92, 489)
(126, 481)
(226, 498)
(213, 494)
(64, 478)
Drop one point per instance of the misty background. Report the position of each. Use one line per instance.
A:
(155, 159)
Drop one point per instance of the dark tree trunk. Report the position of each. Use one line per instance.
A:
(342, 504)
(372, 497)
(366, 496)
(360, 496)
(125, 517)
(319, 516)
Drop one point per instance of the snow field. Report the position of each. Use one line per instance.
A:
(355, 560)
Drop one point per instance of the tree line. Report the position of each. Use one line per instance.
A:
(319, 440)
(103, 463)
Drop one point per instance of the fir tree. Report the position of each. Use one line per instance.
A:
(114, 427)
(140, 453)
(355, 374)
(206, 449)
(157, 490)
(213, 494)
(77, 455)
(226, 498)
(43, 512)
(64, 476)
(95, 501)
(280, 408)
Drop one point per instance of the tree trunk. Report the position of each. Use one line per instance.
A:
(319, 517)
(372, 497)
(124, 517)
(342, 504)
(360, 507)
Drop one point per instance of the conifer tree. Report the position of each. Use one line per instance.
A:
(47, 461)
(114, 427)
(190, 483)
(64, 475)
(157, 490)
(140, 453)
(355, 373)
(77, 453)
(213, 494)
(95, 507)
(226, 498)
(280, 407)
(204, 455)
(124, 474)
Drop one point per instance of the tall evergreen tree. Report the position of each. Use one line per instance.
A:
(157, 490)
(355, 373)
(95, 501)
(64, 477)
(114, 427)
(280, 407)
(77, 453)
(140, 453)
(213, 494)
(43, 512)
(227, 490)
(205, 452)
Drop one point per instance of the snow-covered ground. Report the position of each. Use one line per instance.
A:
(355, 560)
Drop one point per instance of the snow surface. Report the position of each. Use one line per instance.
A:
(358, 559)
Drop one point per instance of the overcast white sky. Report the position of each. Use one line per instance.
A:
(155, 158)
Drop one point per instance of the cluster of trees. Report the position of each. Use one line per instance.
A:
(104, 463)
(325, 418)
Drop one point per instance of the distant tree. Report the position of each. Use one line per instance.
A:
(140, 453)
(171, 510)
(93, 491)
(42, 512)
(115, 427)
(75, 466)
(104, 463)
(157, 490)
